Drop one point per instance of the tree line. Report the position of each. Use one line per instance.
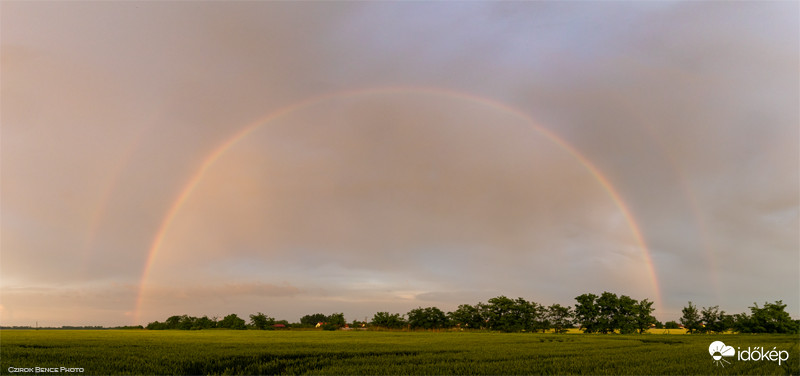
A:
(770, 318)
(606, 313)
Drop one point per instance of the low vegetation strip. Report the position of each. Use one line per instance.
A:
(607, 313)
(112, 352)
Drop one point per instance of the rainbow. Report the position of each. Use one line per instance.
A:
(212, 157)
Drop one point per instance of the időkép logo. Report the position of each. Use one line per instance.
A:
(718, 351)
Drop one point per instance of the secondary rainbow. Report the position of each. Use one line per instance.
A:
(195, 179)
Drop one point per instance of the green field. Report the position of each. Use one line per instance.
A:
(370, 352)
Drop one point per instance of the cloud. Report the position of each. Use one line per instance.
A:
(688, 109)
(227, 290)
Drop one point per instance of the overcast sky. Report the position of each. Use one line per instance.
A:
(303, 157)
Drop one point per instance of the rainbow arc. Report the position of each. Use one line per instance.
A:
(214, 155)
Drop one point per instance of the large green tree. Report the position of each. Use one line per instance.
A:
(336, 320)
(261, 321)
(643, 316)
(625, 315)
(156, 325)
(512, 315)
(691, 318)
(608, 305)
(427, 318)
(587, 313)
(232, 321)
(502, 314)
(311, 320)
(467, 316)
(559, 317)
(533, 316)
(771, 318)
(712, 320)
(187, 322)
(388, 320)
(172, 322)
(509, 315)
(204, 323)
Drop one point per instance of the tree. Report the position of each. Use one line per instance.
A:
(690, 318)
(483, 311)
(559, 317)
(427, 318)
(467, 316)
(187, 323)
(336, 319)
(172, 322)
(204, 323)
(387, 320)
(587, 313)
(311, 320)
(358, 324)
(607, 306)
(508, 315)
(727, 322)
(534, 316)
(712, 320)
(741, 323)
(672, 324)
(416, 318)
(643, 316)
(437, 319)
(771, 318)
(505, 314)
(232, 321)
(625, 315)
(155, 325)
(261, 321)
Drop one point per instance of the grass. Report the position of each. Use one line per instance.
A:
(368, 352)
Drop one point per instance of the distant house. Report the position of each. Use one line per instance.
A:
(279, 326)
(319, 324)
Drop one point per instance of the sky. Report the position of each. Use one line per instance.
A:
(207, 158)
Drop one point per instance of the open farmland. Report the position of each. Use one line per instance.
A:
(368, 352)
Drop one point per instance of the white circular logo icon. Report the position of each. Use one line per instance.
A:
(717, 350)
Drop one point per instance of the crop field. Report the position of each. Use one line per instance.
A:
(374, 353)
